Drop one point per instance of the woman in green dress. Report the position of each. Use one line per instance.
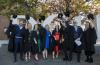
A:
(35, 40)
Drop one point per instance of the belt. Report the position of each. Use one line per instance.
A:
(17, 37)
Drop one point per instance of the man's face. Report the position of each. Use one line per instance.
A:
(21, 23)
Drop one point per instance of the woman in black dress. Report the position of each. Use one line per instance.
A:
(89, 37)
(68, 42)
(10, 35)
(27, 45)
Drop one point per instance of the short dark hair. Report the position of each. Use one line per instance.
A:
(67, 13)
(60, 15)
(27, 17)
(14, 16)
(42, 17)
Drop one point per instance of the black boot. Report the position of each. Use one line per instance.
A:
(66, 57)
(78, 57)
(70, 56)
(21, 56)
(15, 57)
(90, 59)
(87, 59)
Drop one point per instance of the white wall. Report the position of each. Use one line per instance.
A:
(3, 42)
(98, 25)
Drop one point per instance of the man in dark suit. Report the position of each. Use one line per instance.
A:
(68, 41)
(18, 43)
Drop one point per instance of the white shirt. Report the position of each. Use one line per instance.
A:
(14, 21)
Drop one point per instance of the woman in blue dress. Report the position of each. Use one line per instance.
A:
(47, 42)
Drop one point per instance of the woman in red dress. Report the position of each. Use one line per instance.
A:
(56, 43)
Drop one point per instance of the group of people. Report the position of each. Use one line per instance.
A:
(69, 38)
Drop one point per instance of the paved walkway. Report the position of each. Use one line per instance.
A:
(6, 58)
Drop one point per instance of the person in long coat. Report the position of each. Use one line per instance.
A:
(68, 42)
(62, 29)
(89, 37)
(26, 42)
(35, 40)
(78, 45)
(10, 35)
(42, 31)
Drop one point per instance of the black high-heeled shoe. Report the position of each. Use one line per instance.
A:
(78, 57)
(90, 60)
(87, 59)
(65, 59)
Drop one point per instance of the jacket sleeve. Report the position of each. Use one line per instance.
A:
(94, 36)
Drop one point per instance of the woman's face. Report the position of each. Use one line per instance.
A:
(57, 27)
(20, 23)
(36, 27)
(87, 25)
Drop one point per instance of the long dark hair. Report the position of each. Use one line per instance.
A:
(90, 16)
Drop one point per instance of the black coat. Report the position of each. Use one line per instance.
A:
(11, 36)
(10, 30)
(68, 38)
(78, 34)
(35, 47)
(42, 31)
(26, 40)
(89, 39)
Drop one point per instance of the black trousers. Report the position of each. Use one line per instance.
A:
(68, 54)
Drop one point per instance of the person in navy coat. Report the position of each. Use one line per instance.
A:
(18, 43)
(78, 32)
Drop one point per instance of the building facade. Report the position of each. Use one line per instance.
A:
(4, 22)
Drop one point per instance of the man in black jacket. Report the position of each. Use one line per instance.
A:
(68, 41)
